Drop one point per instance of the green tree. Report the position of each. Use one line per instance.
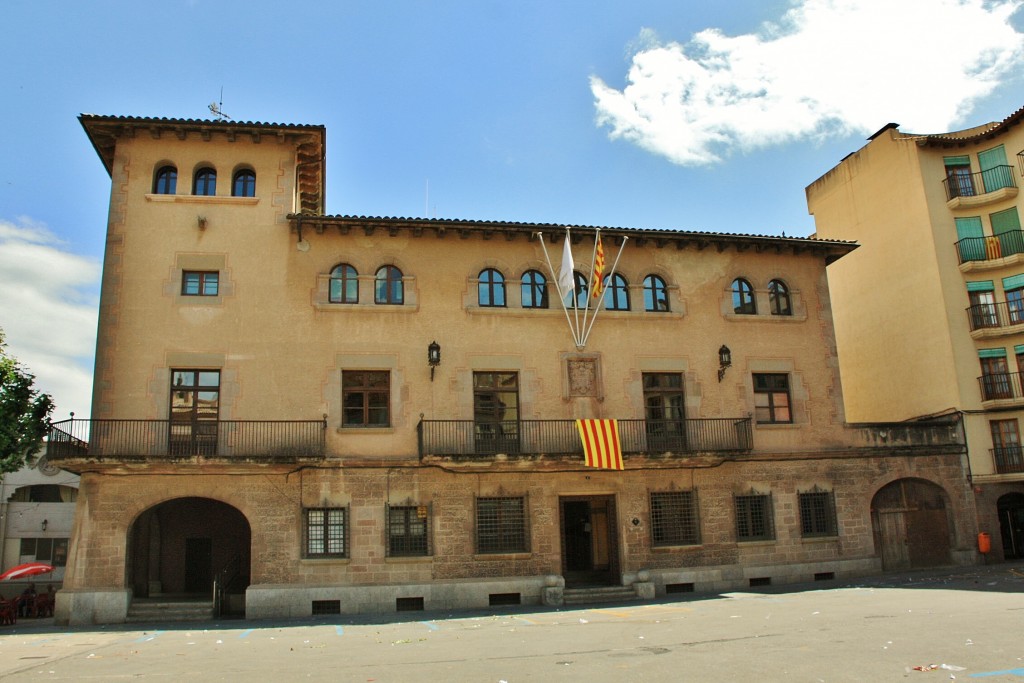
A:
(24, 413)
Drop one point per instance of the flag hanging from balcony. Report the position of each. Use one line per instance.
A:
(598, 286)
(601, 446)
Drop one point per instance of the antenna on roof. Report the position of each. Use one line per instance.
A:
(216, 107)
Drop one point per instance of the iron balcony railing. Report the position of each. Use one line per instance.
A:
(172, 438)
(990, 247)
(1001, 385)
(1001, 314)
(469, 438)
(1008, 459)
(983, 182)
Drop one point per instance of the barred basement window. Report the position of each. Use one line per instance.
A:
(674, 518)
(501, 525)
(754, 517)
(408, 530)
(325, 532)
(817, 513)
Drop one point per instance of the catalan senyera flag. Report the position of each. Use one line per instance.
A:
(598, 285)
(601, 446)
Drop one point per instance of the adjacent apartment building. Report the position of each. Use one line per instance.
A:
(930, 308)
(300, 413)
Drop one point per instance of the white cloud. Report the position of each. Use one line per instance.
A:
(828, 67)
(48, 311)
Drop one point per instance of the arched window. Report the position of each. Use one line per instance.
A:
(490, 289)
(166, 180)
(655, 294)
(204, 184)
(743, 297)
(534, 289)
(579, 291)
(344, 288)
(388, 287)
(778, 298)
(244, 183)
(616, 293)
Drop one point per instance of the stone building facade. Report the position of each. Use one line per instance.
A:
(328, 414)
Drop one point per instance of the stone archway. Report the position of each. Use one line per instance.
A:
(911, 524)
(178, 547)
(1011, 525)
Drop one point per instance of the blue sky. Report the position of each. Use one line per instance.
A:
(646, 114)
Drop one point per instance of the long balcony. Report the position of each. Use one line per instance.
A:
(471, 439)
(995, 315)
(964, 185)
(990, 247)
(1001, 386)
(1008, 459)
(155, 439)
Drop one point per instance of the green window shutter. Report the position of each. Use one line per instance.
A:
(985, 286)
(991, 353)
(1005, 221)
(957, 161)
(1014, 282)
(991, 158)
(1018, 349)
(969, 227)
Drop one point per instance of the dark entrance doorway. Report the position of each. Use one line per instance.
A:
(1011, 525)
(911, 525)
(589, 544)
(177, 548)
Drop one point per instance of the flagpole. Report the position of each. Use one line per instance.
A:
(590, 291)
(558, 288)
(611, 274)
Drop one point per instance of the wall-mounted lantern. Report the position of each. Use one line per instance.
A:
(724, 361)
(46, 523)
(433, 357)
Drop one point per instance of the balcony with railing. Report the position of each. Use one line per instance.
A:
(995, 316)
(1001, 386)
(468, 439)
(140, 440)
(990, 247)
(1008, 459)
(974, 189)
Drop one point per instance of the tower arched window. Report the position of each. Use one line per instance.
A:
(204, 184)
(344, 285)
(388, 286)
(244, 183)
(491, 288)
(743, 297)
(166, 180)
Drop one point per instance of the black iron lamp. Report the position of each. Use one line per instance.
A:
(433, 357)
(724, 361)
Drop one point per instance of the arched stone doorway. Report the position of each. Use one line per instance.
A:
(911, 525)
(178, 547)
(1011, 525)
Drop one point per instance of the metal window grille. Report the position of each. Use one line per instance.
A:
(674, 518)
(408, 530)
(326, 532)
(501, 525)
(754, 517)
(817, 513)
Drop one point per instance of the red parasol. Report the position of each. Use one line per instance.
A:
(25, 570)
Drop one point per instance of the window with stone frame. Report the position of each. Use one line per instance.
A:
(779, 300)
(674, 518)
(743, 302)
(772, 404)
(408, 530)
(326, 532)
(534, 290)
(491, 288)
(817, 513)
(655, 294)
(366, 398)
(501, 525)
(200, 283)
(754, 517)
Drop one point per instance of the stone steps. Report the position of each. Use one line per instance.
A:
(169, 610)
(598, 595)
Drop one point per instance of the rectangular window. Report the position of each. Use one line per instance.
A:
(496, 412)
(983, 310)
(200, 283)
(754, 517)
(53, 551)
(408, 530)
(771, 398)
(674, 518)
(366, 398)
(1006, 450)
(501, 525)
(325, 532)
(195, 412)
(995, 376)
(817, 514)
(664, 411)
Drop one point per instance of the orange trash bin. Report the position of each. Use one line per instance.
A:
(984, 543)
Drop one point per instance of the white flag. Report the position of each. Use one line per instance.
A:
(565, 276)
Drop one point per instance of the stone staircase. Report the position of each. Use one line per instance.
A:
(598, 595)
(172, 610)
